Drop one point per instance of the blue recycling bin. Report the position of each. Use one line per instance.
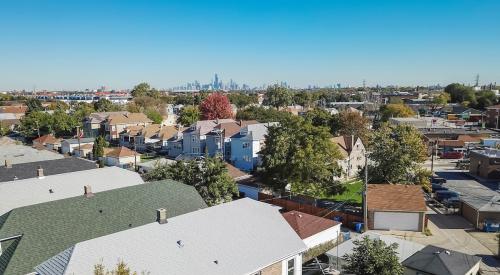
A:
(359, 227)
(337, 218)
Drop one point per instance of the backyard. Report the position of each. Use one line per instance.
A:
(353, 192)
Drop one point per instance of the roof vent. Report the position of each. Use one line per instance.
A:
(216, 262)
(447, 252)
(300, 216)
(180, 243)
(39, 172)
(8, 163)
(51, 191)
(161, 215)
(87, 191)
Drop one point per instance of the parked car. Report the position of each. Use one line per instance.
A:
(437, 187)
(442, 195)
(452, 155)
(438, 180)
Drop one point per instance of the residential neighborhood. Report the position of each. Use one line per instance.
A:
(250, 138)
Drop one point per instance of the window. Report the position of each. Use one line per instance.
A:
(291, 266)
(247, 158)
(196, 150)
(246, 144)
(193, 138)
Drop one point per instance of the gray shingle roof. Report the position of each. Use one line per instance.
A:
(438, 261)
(50, 167)
(52, 227)
(243, 236)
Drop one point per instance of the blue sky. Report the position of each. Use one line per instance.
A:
(86, 44)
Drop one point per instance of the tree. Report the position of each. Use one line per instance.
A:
(216, 105)
(209, 176)
(319, 117)
(352, 123)
(242, 100)
(34, 105)
(63, 124)
(120, 269)
(442, 99)
(396, 154)
(278, 96)
(460, 93)
(485, 99)
(302, 155)
(189, 115)
(154, 115)
(36, 124)
(395, 110)
(373, 257)
(141, 89)
(304, 98)
(103, 105)
(98, 149)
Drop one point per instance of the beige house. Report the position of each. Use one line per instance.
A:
(353, 155)
(117, 123)
(48, 141)
(85, 151)
(121, 157)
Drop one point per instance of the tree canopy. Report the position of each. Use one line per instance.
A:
(154, 115)
(278, 96)
(262, 114)
(352, 124)
(209, 176)
(242, 100)
(395, 110)
(216, 105)
(104, 105)
(143, 89)
(373, 257)
(302, 155)
(34, 105)
(396, 154)
(189, 115)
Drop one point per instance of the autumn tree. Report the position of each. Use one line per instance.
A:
(209, 177)
(301, 155)
(278, 96)
(397, 152)
(121, 268)
(372, 257)
(216, 105)
(349, 123)
(395, 110)
(188, 115)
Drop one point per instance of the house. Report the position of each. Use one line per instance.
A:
(174, 144)
(10, 172)
(68, 146)
(194, 138)
(446, 145)
(218, 141)
(16, 153)
(147, 166)
(353, 155)
(30, 191)
(313, 230)
(404, 250)
(433, 260)
(84, 151)
(246, 145)
(36, 233)
(485, 163)
(49, 141)
(238, 237)
(117, 123)
(121, 157)
(248, 185)
(93, 125)
(396, 207)
(493, 116)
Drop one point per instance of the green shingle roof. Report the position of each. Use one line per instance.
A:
(49, 228)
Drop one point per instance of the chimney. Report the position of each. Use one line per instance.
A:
(161, 215)
(8, 164)
(87, 191)
(39, 172)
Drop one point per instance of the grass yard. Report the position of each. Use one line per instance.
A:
(354, 188)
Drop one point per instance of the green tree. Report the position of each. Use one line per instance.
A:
(278, 96)
(99, 145)
(319, 117)
(396, 154)
(373, 257)
(154, 115)
(304, 98)
(262, 114)
(301, 155)
(242, 100)
(141, 89)
(35, 123)
(485, 99)
(120, 269)
(189, 115)
(395, 110)
(442, 99)
(63, 124)
(460, 93)
(209, 176)
(34, 105)
(103, 105)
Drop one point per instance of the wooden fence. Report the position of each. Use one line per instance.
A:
(348, 220)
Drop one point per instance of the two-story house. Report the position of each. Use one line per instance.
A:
(195, 137)
(117, 123)
(353, 155)
(219, 139)
(93, 125)
(246, 145)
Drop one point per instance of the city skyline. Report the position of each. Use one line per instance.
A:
(82, 44)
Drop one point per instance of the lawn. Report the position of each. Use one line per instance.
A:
(354, 188)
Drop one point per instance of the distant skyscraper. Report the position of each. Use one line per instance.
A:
(216, 82)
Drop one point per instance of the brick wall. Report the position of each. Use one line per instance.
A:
(274, 269)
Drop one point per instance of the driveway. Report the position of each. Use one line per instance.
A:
(451, 232)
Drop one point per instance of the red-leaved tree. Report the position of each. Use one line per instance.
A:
(215, 106)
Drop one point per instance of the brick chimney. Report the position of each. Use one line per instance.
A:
(87, 191)
(39, 172)
(161, 215)
(8, 164)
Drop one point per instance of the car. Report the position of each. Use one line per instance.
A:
(438, 180)
(437, 187)
(442, 195)
(452, 155)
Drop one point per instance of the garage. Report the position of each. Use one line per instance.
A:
(396, 221)
(396, 207)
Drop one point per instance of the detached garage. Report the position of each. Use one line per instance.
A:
(396, 207)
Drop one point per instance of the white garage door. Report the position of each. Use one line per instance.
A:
(396, 221)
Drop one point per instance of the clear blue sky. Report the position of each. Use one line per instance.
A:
(85, 44)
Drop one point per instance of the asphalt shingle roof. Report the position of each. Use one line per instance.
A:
(50, 167)
(52, 227)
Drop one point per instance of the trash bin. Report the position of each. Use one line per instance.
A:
(358, 227)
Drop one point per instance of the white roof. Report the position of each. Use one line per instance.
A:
(18, 193)
(22, 154)
(242, 236)
(405, 248)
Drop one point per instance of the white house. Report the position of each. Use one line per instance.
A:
(353, 153)
(240, 237)
(323, 231)
(69, 145)
(121, 157)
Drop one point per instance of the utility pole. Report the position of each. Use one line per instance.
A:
(135, 156)
(365, 195)
(78, 136)
(432, 157)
